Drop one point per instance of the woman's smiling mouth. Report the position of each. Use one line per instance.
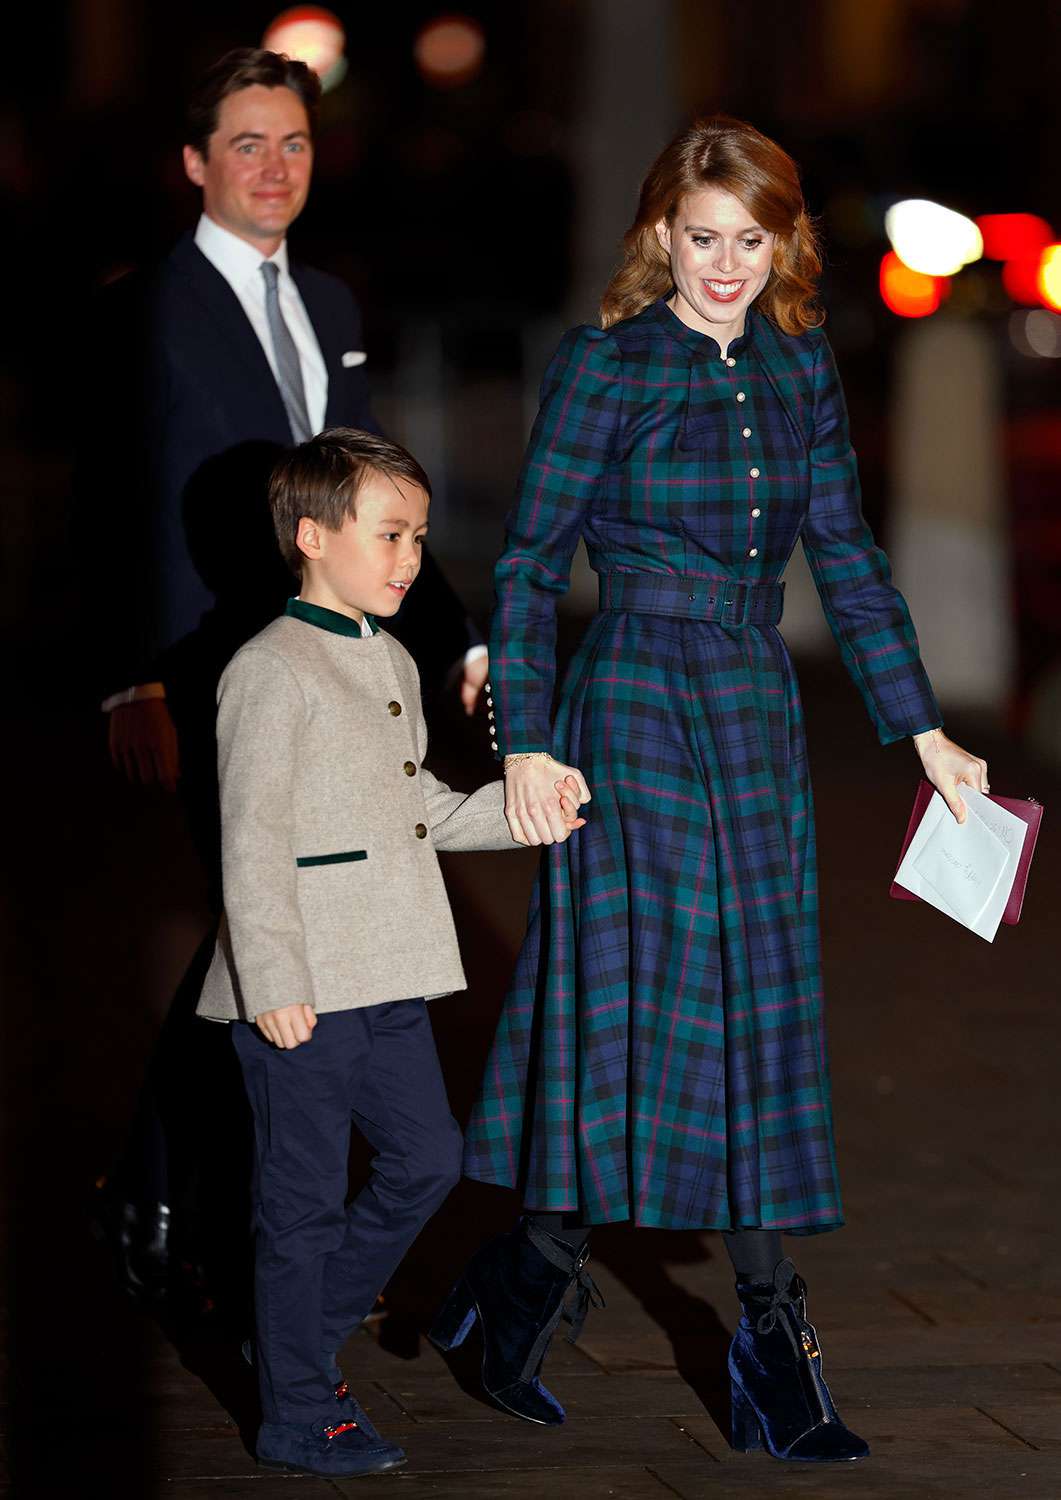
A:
(722, 291)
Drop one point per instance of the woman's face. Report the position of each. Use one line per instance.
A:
(720, 260)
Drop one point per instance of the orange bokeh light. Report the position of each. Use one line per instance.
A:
(1048, 280)
(1013, 236)
(449, 51)
(910, 294)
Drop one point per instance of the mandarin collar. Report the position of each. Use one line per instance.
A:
(701, 343)
(329, 619)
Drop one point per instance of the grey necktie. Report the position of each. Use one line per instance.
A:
(288, 368)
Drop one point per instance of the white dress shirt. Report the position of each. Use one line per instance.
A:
(240, 264)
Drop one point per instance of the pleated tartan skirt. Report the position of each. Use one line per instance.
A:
(661, 1053)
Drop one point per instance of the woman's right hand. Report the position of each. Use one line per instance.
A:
(532, 804)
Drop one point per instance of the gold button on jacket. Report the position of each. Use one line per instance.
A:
(409, 768)
(310, 880)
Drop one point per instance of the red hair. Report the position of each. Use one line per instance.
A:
(720, 152)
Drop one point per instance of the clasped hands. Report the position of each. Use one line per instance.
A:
(542, 798)
(541, 807)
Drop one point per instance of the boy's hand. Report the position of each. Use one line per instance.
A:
(568, 791)
(287, 1027)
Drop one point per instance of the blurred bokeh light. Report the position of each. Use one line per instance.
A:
(909, 293)
(1048, 280)
(449, 51)
(930, 238)
(1020, 277)
(1036, 333)
(1013, 236)
(313, 35)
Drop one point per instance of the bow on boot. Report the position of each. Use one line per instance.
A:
(519, 1287)
(779, 1395)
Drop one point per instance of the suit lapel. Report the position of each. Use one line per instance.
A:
(313, 292)
(250, 367)
(790, 372)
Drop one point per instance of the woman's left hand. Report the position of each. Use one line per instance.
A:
(947, 766)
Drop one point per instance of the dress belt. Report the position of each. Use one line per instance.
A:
(730, 601)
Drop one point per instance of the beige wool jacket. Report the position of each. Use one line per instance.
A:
(333, 894)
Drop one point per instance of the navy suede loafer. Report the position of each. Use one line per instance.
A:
(331, 1449)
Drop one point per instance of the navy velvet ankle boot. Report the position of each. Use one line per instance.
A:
(517, 1286)
(780, 1399)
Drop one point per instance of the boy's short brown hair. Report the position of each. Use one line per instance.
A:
(321, 479)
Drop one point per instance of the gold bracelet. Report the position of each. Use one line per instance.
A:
(514, 760)
(936, 735)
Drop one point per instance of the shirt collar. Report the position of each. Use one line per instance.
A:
(236, 259)
(701, 343)
(331, 619)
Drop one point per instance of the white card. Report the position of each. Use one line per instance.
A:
(965, 870)
(963, 863)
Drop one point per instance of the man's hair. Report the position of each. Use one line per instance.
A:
(321, 479)
(241, 69)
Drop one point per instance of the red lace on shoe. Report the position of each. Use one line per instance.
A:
(342, 1390)
(340, 1427)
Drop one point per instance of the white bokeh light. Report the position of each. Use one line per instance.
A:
(313, 35)
(1036, 333)
(930, 238)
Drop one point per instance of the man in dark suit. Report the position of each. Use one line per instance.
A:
(216, 362)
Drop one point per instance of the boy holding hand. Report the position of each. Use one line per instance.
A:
(336, 931)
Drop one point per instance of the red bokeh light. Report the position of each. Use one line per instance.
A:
(1013, 236)
(1020, 277)
(910, 294)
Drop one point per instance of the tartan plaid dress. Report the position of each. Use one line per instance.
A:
(661, 1053)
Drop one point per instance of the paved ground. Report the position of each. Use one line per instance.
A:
(938, 1306)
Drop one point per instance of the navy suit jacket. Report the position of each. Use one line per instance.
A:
(184, 426)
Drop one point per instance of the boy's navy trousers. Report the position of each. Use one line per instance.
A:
(319, 1264)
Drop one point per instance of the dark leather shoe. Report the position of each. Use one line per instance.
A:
(138, 1237)
(335, 1448)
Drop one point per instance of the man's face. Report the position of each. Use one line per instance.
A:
(256, 173)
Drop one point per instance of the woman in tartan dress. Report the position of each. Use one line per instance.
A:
(661, 1054)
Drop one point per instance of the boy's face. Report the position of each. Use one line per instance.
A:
(367, 566)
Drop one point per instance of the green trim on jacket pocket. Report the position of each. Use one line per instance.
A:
(331, 859)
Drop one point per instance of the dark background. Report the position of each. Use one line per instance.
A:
(474, 224)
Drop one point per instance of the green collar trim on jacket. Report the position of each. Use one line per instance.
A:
(328, 619)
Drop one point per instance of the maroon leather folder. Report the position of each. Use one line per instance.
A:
(1026, 808)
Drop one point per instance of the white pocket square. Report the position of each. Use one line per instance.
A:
(354, 357)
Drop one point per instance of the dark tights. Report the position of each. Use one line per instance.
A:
(754, 1252)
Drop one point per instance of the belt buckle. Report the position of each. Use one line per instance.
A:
(736, 598)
